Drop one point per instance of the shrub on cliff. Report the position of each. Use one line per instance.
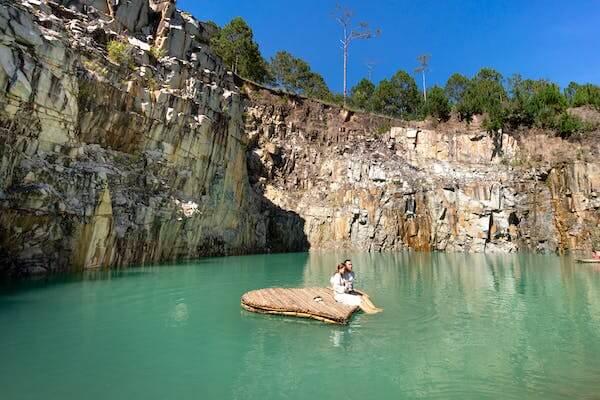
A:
(541, 103)
(534, 103)
(567, 125)
(361, 95)
(119, 52)
(455, 87)
(581, 95)
(437, 104)
(294, 75)
(484, 95)
(580, 125)
(397, 97)
(157, 53)
(235, 44)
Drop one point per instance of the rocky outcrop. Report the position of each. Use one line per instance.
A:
(158, 153)
(111, 165)
(367, 182)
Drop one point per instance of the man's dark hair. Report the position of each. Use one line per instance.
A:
(347, 260)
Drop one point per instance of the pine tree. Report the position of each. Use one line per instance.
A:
(236, 46)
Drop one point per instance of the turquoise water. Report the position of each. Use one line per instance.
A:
(454, 327)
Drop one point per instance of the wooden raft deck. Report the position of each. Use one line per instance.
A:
(298, 303)
(589, 261)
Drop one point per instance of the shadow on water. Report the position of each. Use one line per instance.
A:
(267, 267)
(14, 286)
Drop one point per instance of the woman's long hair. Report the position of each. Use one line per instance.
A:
(338, 269)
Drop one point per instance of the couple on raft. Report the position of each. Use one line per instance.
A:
(342, 283)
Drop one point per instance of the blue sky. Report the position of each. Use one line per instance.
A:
(551, 39)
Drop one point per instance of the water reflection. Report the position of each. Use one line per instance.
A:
(454, 326)
(179, 315)
(337, 337)
(471, 276)
(511, 314)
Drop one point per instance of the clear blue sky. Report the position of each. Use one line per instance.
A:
(551, 39)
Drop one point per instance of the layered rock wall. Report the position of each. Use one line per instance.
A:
(370, 183)
(104, 164)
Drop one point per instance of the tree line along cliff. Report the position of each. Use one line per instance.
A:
(504, 103)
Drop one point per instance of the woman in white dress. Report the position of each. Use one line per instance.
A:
(340, 289)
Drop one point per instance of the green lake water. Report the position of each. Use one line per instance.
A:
(454, 327)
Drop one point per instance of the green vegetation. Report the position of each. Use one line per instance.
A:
(151, 83)
(119, 52)
(398, 97)
(568, 125)
(295, 76)
(517, 102)
(581, 95)
(483, 95)
(437, 105)
(384, 128)
(157, 52)
(503, 103)
(455, 88)
(212, 24)
(96, 67)
(534, 103)
(235, 44)
(361, 95)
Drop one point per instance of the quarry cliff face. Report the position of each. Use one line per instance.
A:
(105, 165)
(366, 182)
(167, 156)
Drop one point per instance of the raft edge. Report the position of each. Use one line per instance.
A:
(250, 308)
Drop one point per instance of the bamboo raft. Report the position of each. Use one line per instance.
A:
(315, 303)
(589, 261)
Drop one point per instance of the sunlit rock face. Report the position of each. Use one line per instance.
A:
(105, 165)
(167, 156)
(370, 183)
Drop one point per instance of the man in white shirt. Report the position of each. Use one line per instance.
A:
(349, 278)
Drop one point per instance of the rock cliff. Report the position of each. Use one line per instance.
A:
(105, 164)
(159, 153)
(370, 183)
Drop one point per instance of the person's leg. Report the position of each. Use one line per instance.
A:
(366, 309)
(366, 303)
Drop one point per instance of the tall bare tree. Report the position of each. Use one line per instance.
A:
(351, 33)
(423, 67)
